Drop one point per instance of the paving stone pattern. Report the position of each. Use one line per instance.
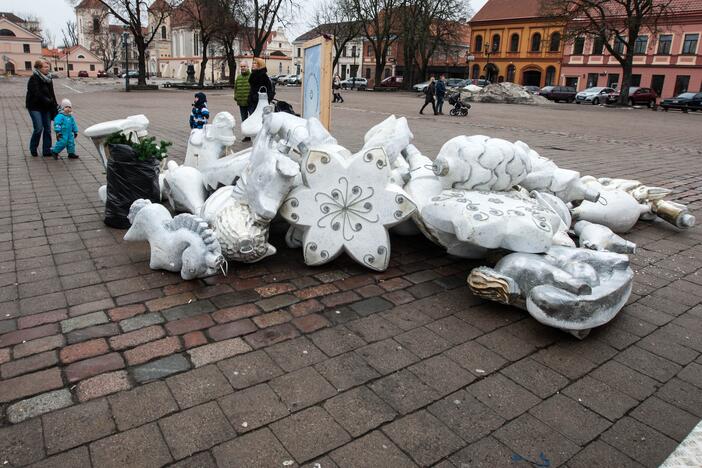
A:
(106, 362)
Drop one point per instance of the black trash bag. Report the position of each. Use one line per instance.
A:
(128, 179)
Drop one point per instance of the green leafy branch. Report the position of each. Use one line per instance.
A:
(146, 148)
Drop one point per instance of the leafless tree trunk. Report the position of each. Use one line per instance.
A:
(206, 19)
(259, 17)
(229, 32)
(70, 34)
(335, 18)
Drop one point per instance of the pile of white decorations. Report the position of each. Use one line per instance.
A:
(480, 195)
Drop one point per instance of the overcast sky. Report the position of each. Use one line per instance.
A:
(54, 14)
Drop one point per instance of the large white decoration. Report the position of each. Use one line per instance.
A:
(134, 126)
(184, 188)
(392, 135)
(206, 145)
(598, 237)
(295, 135)
(615, 208)
(546, 176)
(253, 124)
(183, 244)
(346, 204)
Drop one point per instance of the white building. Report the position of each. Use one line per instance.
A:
(350, 61)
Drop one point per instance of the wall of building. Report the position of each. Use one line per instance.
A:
(18, 52)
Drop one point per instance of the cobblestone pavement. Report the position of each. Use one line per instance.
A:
(105, 362)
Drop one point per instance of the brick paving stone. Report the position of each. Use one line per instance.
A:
(38, 405)
(371, 306)
(423, 437)
(399, 297)
(28, 364)
(120, 313)
(466, 416)
(27, 334)
(249, 369)
(192, 309)
(570, 419)
(76, 457)
(274, 289)
(84, 321)
(303, 308)
(93, 366)
(309, 433)
(423, 342)
(683, 395)
(77, 425)
(136, 337)
(167, 302)
(160, 368)
(98, 331)
(404, 391)
(506, 345)
(84, 350)
(374, 449)
(253, 407)
(295, 354)
(406, 318)
(442, 374)
(103, 384)
(564, 361)
(340, 298)
(142, 447)
(336, 340)
(142, 405)
(374, 328)
(235, 313)
(241, 296)
(155, 349)
(600, 454)
(359, 410)
(310, 323)
(195, 429)
(625, 379)
(316, 291)
(231, 329)
(42, 319)
(454, 330)
(88, 307)
(258, 449)
(341, 315)
(277, 302)
(600, 397)
(179, 327)
(676, 424)
(486, 452)
(272, 335)
(21, 444)
(370, 290)
(193, 339)
(213, 352)
(302, 388)
(505, 397)
(528, 437)
(140, 321)
(662, 344)
(387, 356)
(200, 460)
(30, 384)
(198, 386)
(475, 358)
(692, 373)
(394, 284)
(648, 363)
(640, 442)
(535, 377)
(346, 371)
(534, 333)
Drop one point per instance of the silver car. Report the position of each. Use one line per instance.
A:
(595, 95)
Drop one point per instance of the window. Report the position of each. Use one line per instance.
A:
(70, 67)
(618, 45)
(613, 80)
(690, 44)
(664, 43)
(592, 79)
(476, 71)
(25, 48)
(353, 51)
(640, 45)
(196, 44)
(6, 32)
(635, 80)
(578, 46)
(343, 52)
(370, 50)
(555, 42)
(96, 25)
(657, 83)
(368, 72)
(81, 56)
(299, 51)
(478, 43)
(597, 46)
(496, 43)
(511, 72)
(92, 67)
(514, 44)
(681, 84)
(27, 65)
(550, 76)
(536, 42)
(163, 32)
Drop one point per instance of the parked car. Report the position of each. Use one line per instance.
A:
(83, 74)
(479, 82)
(533, 89)
(637, 96)
(390, 82)
(558, 93)
(354, 83)
(274, 78)
(102, 74)
(454, 82)
(132, 74)
(419, 87)
(292, 80)
(684, 102)
(595, 95)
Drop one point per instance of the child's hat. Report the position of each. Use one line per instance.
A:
(66, 103)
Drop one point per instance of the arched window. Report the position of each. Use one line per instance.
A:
(511, 73)
(514, 44)
(81, 56)
(6, 32)
(496, 43)
(536, 42)
(163, 32)
(550, 76)
(555, 42)
(476, 71)
(478, 43)
(96, 25)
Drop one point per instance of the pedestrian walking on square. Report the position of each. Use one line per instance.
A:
(200, 114)
(42, 106)
(440, 93)
(66, 131)
(336, 87)
(259, 81)
(429, 92)
(241, 92)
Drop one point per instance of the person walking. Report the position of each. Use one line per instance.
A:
(259, 81)
(429, 93)
(336, 86)
(66, 131)
(241, 92)
(440, 94)
(200, 114)
(42, 106)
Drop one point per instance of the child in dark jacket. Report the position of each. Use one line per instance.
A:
(66, 131)
(200, 114)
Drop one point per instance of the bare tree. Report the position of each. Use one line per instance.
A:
(336, 19)
(133, 14)
(616, 23)
(70, 34)
(48, 39)
(381, 25)
(259, 17)
(206, 19)
(228, 33)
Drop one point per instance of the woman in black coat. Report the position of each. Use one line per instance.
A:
(42, 106)
(259, 79)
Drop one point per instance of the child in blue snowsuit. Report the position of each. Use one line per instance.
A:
(66, 131)
(199, 115)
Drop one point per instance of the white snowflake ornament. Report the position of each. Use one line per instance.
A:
(347, 203)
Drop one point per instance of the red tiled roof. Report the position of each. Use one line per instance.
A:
(11, 17)
(90, 4)
(508, 9)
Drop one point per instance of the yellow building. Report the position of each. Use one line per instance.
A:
(512, 41)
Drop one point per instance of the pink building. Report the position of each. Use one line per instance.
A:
(669, 60)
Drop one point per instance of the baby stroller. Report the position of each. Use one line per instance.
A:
(282, 106)
(459, 107)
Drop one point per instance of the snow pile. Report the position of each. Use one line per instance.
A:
(507, 93)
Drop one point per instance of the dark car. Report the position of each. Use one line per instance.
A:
(684, 102)
(558, 93)
(83, 74)
(102, 74)
(533, 89)
(637, 96)
(391, 82)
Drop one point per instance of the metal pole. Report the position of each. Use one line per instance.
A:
(125, 36)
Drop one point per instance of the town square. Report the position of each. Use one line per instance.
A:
(187, 280)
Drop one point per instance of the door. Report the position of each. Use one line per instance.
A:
(657, 84)
(10, 68)
(681, 84)
(592, 80)
(571, 82)
(613, 80)
(532, 78)
(635, 80)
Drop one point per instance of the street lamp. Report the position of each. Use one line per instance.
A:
(125, 43)
(488, 52)
(468, 59)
